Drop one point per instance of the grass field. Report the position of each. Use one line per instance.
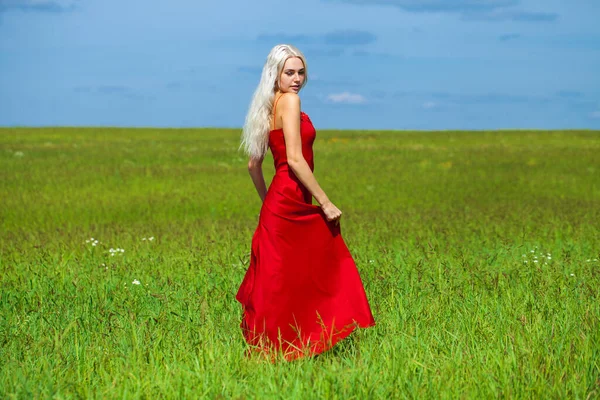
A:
(478, 250)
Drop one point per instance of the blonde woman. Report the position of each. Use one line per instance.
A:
(302, 292)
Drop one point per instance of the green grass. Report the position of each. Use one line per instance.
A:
(445, 228)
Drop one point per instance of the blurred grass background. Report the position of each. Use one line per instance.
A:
(478, 250)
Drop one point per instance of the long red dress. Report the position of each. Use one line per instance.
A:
(302, 292)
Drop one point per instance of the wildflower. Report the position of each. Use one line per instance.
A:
(115, 251)
(19, 154)
(371, 261)
(135, 282)
(535, 261)
(572, 274)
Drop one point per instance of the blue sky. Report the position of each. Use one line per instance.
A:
(373, 64)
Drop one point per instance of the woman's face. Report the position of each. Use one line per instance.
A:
(292, 75)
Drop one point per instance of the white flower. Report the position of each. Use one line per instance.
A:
(533, 251)
(151, 238)
(572, 274)
(143, 238)
(18, 154)
(535, 261)
(135, 282)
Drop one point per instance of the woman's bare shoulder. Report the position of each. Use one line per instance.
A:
(290, 101)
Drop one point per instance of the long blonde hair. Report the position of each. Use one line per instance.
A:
(255, 134)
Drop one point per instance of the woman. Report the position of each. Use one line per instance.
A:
(302, 292)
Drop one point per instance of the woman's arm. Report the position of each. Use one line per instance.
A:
(290, 117)
(256, 173)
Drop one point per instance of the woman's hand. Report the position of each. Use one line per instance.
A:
(332, 213)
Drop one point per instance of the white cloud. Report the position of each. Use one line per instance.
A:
(595, 114)
(487, 10)
(347, 97)
(429, 105)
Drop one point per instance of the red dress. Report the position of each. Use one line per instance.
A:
(302, 292)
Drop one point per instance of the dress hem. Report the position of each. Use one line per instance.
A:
(272, 354)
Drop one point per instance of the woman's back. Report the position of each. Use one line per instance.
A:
(277, 143)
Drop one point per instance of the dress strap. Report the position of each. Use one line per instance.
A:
(274, 108)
